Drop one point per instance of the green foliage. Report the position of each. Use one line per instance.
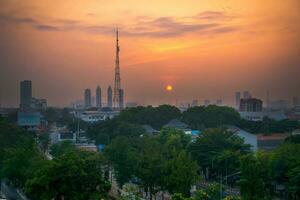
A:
(251, 182)
(179, 196)
(174, 139)
(74, 175)
(20, 164)
(155, 162)
(179, 173)
(218, 150)
(105, 132)
(154, 116)
(293, 139)
(285, 162)
(123, 157)
(44, 141)
(131, 192)
(212, 192)
(232, 198)
(201, 195)
(268, 125)
(61, 148)
(150, 163)
(19, 155)
(211, 116)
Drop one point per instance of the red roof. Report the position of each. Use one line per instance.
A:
(273, 136)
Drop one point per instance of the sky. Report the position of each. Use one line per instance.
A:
(205, 49)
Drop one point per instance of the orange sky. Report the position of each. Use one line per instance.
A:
(205, 49)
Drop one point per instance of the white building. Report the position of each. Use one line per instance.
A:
(258, 116)
(249, 138)
(95, 116)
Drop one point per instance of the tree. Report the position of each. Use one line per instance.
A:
(44, 141)
(20, 164)
(212, 116)
(154, 116)
(251, 182)
(180, 173)
(74, 175)
(179, 196)
(201, 195)
(123, 157)
(284, 166)
(208, 150)
(150, 164)
(61, 148)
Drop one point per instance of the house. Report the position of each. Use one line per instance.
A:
(269, 142)
(177, 124)
(249, 138)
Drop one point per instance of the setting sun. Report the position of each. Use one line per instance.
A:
(169, 87)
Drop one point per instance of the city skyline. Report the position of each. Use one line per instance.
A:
(205, 50)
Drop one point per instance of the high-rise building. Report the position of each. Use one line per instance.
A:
(117, 85)
(246, 95)
(296, 101)
(251, 105)
(195, 102)
(206, 102)
(237, 99)
(121, 100)
(219, 102)
(25, 94)
(109, 97)
(87, 98)
(98, 97)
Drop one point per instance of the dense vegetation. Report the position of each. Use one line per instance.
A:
(72, 175)
(168, 161)
(129, 122)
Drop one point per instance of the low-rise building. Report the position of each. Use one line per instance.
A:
(270, 141)
(29, 120)
(96, 116)
(248, 138)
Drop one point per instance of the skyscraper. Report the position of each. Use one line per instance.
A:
(98, 97)
(117, 86)
(109, 97)
(25, 94)
(237, 99)
(87, 98)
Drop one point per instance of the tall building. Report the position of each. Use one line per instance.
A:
(109, 97)
(195, 102)
(98, 97)
(246, 95)
(25, 94)
(296, 101)
(219, 102)
(206, 102)
(237, 99)
(121, 100)
(87, 98)
(251, 105)
(118, 92)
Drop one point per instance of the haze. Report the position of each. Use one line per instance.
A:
(204, 49)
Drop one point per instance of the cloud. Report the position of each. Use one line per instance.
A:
(43, 27)
(208, 22)
(209, 15)
(17, 20)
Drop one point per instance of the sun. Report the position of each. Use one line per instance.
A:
(169, 88)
